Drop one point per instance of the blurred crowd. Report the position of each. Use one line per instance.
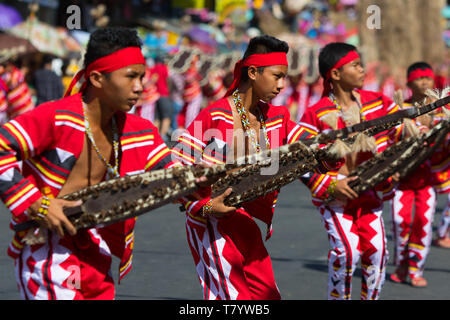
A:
(171, 99)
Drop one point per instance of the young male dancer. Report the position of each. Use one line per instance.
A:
(15, 96)
(413, 234)
(67, 145)
(226, 244)
(353, 223)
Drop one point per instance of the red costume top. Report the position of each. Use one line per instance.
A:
(48, 141)
(162, 72)
(374, 105)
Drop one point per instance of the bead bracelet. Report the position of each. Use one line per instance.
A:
(207, 209)
(332, 187)
(43, 209)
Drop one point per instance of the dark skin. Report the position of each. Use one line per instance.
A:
(263, 86)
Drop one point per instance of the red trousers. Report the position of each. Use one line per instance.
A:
(71, 268)
(444, 224)
(230, 258)
(412, 233)
(355, 234)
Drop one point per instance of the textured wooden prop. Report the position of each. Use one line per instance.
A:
(265, 173)
(123, 198)
(403, 157)
(126, 197)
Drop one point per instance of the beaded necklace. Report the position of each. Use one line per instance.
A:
(246, 124)
(112, 172)
(334, 100)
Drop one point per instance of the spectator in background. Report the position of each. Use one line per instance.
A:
(16, 96)
(164, 108)
(69, 70)
(214, 88)
(441, 80)
(146, 105)
(295, 96)
(47, 83)
(176, 85)
(192, 95)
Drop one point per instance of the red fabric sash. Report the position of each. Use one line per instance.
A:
(257, 60)
(352, 55)
(419, 73)
(114, 61)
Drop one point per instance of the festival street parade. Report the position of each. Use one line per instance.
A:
(225, 150)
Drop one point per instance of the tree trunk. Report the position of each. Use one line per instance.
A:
(410, 31)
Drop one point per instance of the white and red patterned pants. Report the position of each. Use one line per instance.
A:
(412, 234)
(230, 258)
(355, 234)
(444, 224)
(71, 268)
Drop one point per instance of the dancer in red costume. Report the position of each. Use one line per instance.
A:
(67, 145)
(441, 171)
(413, 233)
(192, 95)
(354, 223)
(226, 243)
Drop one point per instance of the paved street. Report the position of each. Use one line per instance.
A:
(164, 269)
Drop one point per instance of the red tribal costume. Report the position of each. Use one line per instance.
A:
(229, 254)
(48, 141)
(355, 229)
(412, 236)
(440, 164)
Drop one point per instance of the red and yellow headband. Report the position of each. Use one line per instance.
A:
(349, 57)
(257, 60)
(114, 61)
(420, 73)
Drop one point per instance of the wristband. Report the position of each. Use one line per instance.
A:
(43, 209)
(332, 187)
(207, 209)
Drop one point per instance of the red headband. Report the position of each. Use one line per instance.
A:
(349, 57)
(257, 60)
(419, 73)
(114, 61)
